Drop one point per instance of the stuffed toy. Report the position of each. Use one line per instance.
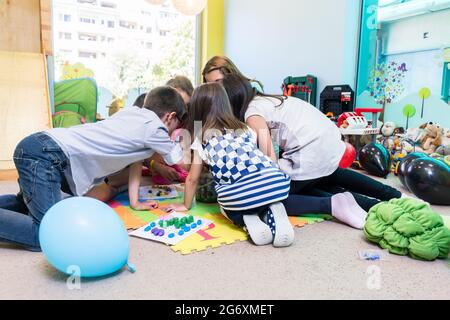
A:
(432, 138)
(444, 149)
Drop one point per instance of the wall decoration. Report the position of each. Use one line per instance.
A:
(409, 111)
(424, 94)
(386, 83)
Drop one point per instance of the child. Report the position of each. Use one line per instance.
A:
(219, 66)
(184, 87)
(78, 158)
(248, 184)
(312, 148)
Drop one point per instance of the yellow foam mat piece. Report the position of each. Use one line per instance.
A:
(220, 232)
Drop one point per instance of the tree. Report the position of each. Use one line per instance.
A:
(409, 111)
(179, 56)
(424, 94)
(124, 70)
(386, 83)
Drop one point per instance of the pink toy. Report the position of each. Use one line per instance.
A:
(182, 175)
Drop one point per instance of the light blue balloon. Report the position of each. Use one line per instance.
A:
(84, 234)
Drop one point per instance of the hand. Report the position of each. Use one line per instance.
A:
(142, 206)
(166, 172)
(178, 207)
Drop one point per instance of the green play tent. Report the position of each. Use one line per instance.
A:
(75, 102)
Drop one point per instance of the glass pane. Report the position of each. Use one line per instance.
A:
(404, 53)
(128, 47)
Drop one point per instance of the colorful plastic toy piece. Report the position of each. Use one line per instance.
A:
(171, 235)
(181, 232)
(194, 225)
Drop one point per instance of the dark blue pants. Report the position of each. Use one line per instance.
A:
(40, 163)
(314, 196)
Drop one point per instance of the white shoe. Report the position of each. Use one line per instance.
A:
(281, 227)
(259, 232)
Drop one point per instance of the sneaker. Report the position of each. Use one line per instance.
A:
(280, 226)
(259, 232)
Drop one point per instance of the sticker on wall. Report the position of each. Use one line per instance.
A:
(386, 82)
(409, 111)
(424, 94)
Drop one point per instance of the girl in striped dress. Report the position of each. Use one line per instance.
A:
(249, 185)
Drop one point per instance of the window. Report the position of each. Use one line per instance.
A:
(128, 49)
(127, 24)
(93, 2)
(401, 60)
(87, 37)
(65, 36)
(65, 17)
(86, 54)
(109, 5)
(87, 20)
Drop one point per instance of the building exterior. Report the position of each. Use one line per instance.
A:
(87, 30)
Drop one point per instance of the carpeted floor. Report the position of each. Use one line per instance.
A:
(323, 263)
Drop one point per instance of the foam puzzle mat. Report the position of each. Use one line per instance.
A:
(219, 232)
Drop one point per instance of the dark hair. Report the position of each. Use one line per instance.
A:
(211, 106)
(139, 102)
(163, 100)
(182, 83)
(241, 93)
(226, 66)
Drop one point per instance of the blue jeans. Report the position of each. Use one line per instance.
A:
(40, 163)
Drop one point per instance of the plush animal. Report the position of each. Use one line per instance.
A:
(391, 136)
(432, 138)
(444, 149)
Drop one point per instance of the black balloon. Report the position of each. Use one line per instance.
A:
(429, 179)
(375, 159)
(404, 163)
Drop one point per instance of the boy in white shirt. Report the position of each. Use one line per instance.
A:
(78, 158)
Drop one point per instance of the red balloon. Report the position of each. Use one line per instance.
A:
(349, 156)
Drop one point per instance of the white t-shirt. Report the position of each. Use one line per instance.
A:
(311, 143)
(97, 150)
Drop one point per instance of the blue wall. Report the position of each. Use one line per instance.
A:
(270, 40)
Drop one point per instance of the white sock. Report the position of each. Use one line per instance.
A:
(345, 208)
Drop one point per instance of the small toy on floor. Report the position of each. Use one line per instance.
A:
(372, 255)
(157, 193)
(171, 229)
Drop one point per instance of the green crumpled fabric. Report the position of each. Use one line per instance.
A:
(408, 227)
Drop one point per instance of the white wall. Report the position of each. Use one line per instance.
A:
(408, 35)
(270, 40)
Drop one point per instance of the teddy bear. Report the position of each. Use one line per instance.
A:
(432, 137)
(444, 149)
(391, 136)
